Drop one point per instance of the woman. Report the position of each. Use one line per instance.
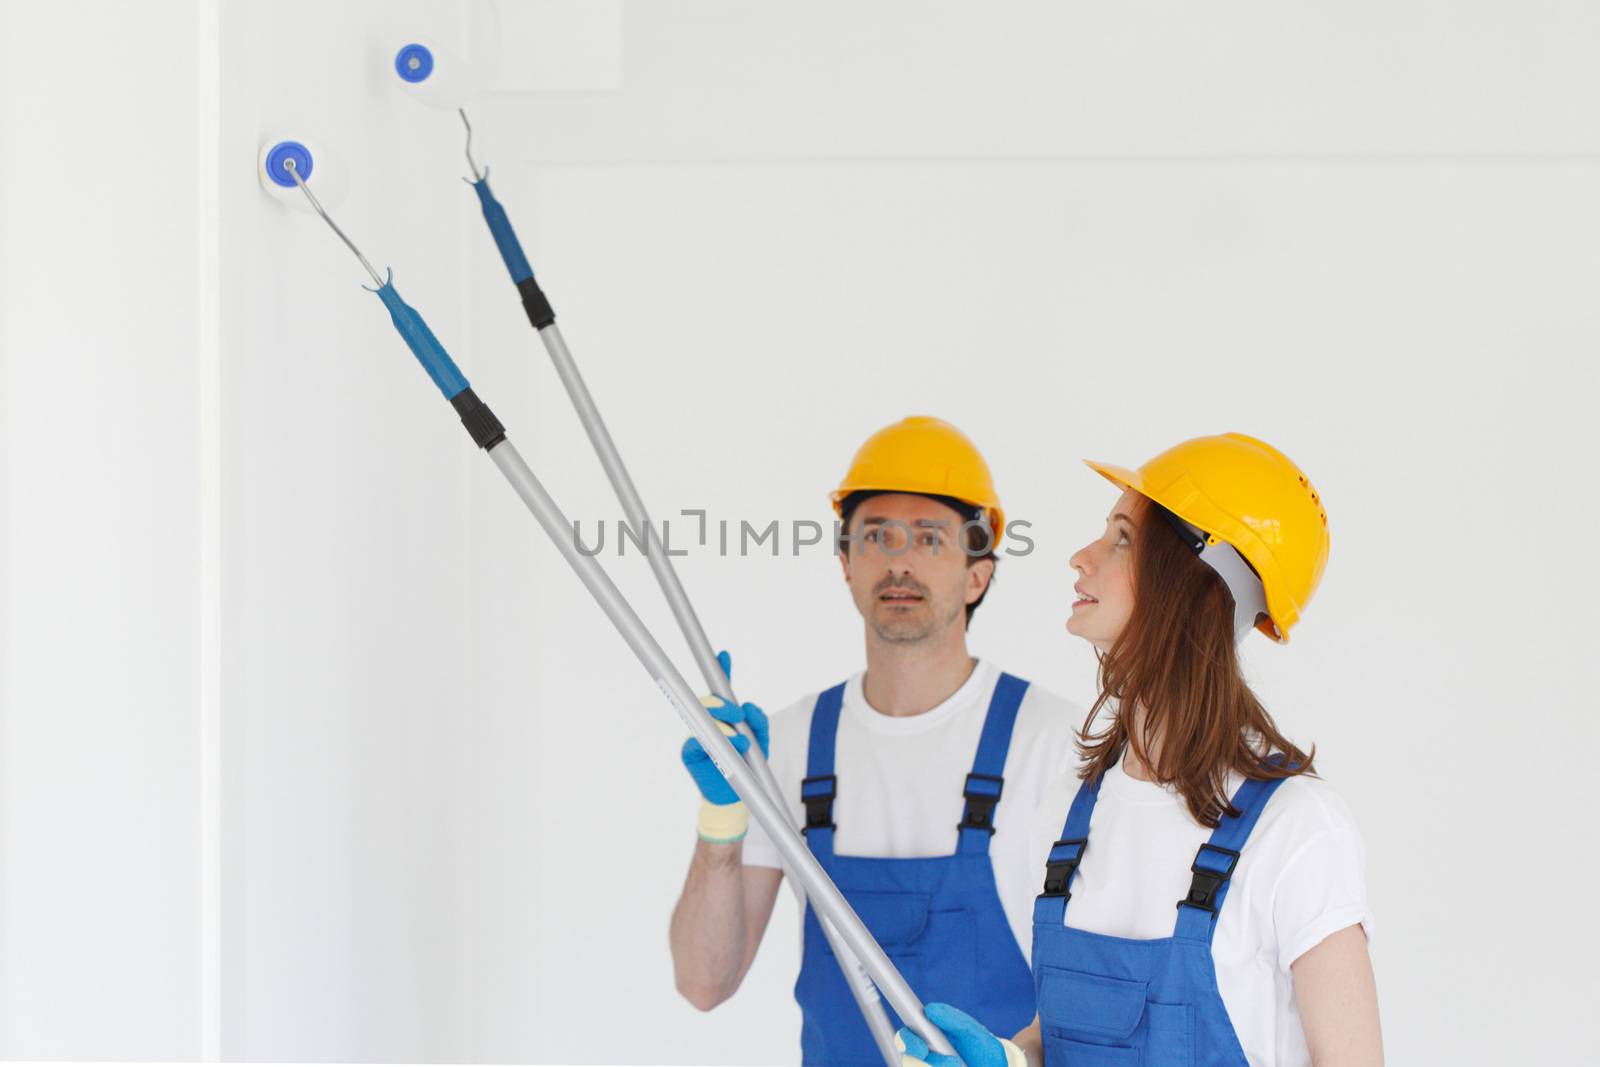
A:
(1191, 795)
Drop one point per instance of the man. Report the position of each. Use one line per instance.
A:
(903, 768)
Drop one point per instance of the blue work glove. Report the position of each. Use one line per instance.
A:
(723, 817)
(975, 1046)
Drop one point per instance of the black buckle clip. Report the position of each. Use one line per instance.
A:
(1058, 873)
(819, 805)
(979, 813)
(1203, 888)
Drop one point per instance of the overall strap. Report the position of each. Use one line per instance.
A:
(1214, 863)
(984, 784)
(1061, 865)
(819, 786)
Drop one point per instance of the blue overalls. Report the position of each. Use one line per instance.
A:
(939, 918)
(1114, 1002)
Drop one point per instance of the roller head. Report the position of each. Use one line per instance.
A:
(414, 63)
(282, 153)
(439, 65)
(317, 166)
(442, 53)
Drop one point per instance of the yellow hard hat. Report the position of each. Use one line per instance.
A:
(1249, 495)
(922, 454)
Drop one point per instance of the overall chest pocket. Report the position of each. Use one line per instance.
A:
(897, 919)
(1094, 1020)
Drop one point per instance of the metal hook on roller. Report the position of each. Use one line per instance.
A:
(477, 175)
(294, 172)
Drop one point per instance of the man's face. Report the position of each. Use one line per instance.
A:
(907, 570)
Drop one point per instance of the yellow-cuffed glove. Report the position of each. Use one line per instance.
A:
(723, 817)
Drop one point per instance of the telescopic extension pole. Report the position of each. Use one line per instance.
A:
(488, 433)
(543, 319)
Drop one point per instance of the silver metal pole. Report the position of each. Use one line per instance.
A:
(830, 904)
(866, 995)
(542, 316)
(489, 434)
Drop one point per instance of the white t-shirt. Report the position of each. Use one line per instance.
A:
(900, 781)
(1301, 877)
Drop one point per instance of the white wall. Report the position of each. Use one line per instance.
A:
(101, 464)
(232, 769)
(345, 614)
(313, 749)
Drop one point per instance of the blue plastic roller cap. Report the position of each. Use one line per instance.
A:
(413, 63)
(281, 153)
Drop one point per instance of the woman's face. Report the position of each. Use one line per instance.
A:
(1105, 576)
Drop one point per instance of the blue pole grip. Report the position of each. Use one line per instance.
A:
(426, 347)
(504, 236)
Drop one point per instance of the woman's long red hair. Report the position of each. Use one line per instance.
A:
(1176, 658)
